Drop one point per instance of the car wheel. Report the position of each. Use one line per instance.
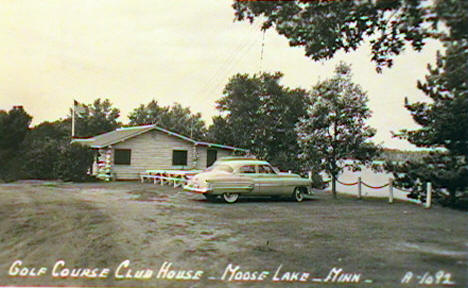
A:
(298, 195)
(210, 197)
(230, 197)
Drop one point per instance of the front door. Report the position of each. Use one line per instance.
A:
(250, 172)
(269, 182)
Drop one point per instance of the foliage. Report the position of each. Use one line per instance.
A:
(326, 27)
(14, 126)
(50, 159)
(47, 154)
(444, 126)
(447, 173)
(220, 132)
(389, 154)
(333, 135)
(99, 117)
(60, 129)
(174, 118)
(446, 85)
(239, 105)
(73, 163)
(41, 152)
(40, 158)
(259, 114)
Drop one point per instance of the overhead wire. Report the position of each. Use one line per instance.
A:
(227, 62)
(233, 60)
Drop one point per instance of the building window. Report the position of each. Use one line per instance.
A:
(122, 156)
(179, 157)
(211, 156)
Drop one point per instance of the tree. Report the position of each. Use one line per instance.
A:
(99, 117)
(220, 131)
(326, 27)
(59, 129)
(259, 114)
(40, 152)
(333, 135)
(41, 149)
(181, 120)
(174, 118)
(14, 127)
(152, 113)
(444, 128)
(238, 106)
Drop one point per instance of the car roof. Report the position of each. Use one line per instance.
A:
(236, 163)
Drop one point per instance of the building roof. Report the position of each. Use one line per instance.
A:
(123, 134)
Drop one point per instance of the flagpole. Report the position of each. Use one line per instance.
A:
(73, 120)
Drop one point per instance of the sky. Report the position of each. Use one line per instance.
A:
(133, 51)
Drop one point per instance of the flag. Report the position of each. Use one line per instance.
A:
(79, 108)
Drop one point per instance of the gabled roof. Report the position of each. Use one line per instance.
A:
(123, 134)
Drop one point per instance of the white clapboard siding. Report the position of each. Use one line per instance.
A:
(151, 150)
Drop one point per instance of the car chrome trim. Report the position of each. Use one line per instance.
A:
(233, 187)
(197, 190)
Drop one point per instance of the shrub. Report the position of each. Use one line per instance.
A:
(73, 163)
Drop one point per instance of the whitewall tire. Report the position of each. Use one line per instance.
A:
(298, 195)
(230, 197)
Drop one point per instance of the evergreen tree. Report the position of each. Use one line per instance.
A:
(444, 127)
(99, 117)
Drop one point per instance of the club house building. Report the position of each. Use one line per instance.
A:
(124, 153)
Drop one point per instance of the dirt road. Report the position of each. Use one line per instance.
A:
(132, 235)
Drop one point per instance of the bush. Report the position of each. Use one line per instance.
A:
(73, 163)
(12, 168)
(448, 174)
(49, 159)
(40, 158)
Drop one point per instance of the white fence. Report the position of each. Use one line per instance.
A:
(390, 191)
(174, 178)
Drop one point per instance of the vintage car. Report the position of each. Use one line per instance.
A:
(232, 177)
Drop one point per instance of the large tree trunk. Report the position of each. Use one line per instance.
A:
(334, 186)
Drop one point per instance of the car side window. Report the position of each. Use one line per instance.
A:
(247, 169)
(265, 169)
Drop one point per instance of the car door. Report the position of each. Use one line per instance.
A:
(269, 181)
(250, 172)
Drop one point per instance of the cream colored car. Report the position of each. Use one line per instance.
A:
(234, 177)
